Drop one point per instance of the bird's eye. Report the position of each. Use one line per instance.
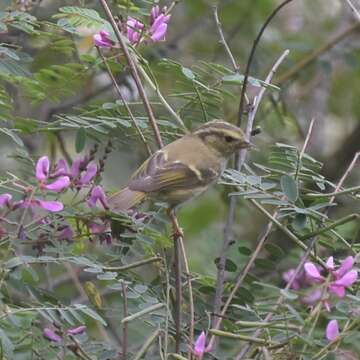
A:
(229, 139)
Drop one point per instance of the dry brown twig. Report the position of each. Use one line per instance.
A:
(178, 247)
(244, 272)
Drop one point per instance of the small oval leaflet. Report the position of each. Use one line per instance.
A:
(289, 187)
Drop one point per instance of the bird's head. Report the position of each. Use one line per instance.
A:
(222, 137)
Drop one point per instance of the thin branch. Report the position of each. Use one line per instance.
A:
(353, 8)
(147, 344)
(353, 189)
(253, 111)
(178, 288)
(346, 174)
(125, 324)
(127, 107)
(132, 265)
(134, 72)
(308, 59)
(191, 297)
(251, 57)
(223, 41)
(231, 214)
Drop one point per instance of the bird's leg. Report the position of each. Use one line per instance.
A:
(177, 236)
(177, 230)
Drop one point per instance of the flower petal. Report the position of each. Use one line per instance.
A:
(348, 279)
(42, 168)
(311, 297)
(199, 346)
(312, 271)
(61, 169)
(287, 276)
(338, 291)
(51, 335)
(5, 199)
(90, 172)
(330, 263)
(160, 32)
(78, 330)
(52, 206)
(154, 13)
(66, 233)
(59, 184)
(98, 193)
(346, 265)
(332, 330)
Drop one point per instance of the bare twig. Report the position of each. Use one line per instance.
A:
(125, 324)
(245, 349)
(223, 41)
(308, 59)
(191, 298)
(231, 214)
(252, 53)
(353, 8)
(178, 287)
(147, 344)
(346, 174)
(127, 107)
(134, 72)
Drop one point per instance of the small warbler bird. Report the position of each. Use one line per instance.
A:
(184, 168)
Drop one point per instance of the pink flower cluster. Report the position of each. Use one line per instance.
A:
(335, 283)
(136, 30)
(340, 279)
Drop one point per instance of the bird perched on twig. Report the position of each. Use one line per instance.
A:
(184, 168)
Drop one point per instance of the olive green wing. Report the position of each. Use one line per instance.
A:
(159, 174)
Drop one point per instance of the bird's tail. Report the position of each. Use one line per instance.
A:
(125, 199)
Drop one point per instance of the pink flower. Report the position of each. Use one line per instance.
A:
(5, 199)
(159, 28)
(102, 39)
(42, 174)
(90, 173)
(61, 169)
(52, 206)
(199, 346)
(154, 13)
(51, 335)
(42, 168)
(66, 233)
(78, 330)
(332, 330)
(98, 194)
(341, 279)
(134, 30)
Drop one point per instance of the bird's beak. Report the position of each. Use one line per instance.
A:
(248, 144)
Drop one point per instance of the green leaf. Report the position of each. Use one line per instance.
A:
(230, 266)
(289, 187)
(13, 136)
(299, 222)
(7, 347)
(275, 250)
(80, 140)
(289, 294)
(238, 79)
(188, 73)
(244, 250)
